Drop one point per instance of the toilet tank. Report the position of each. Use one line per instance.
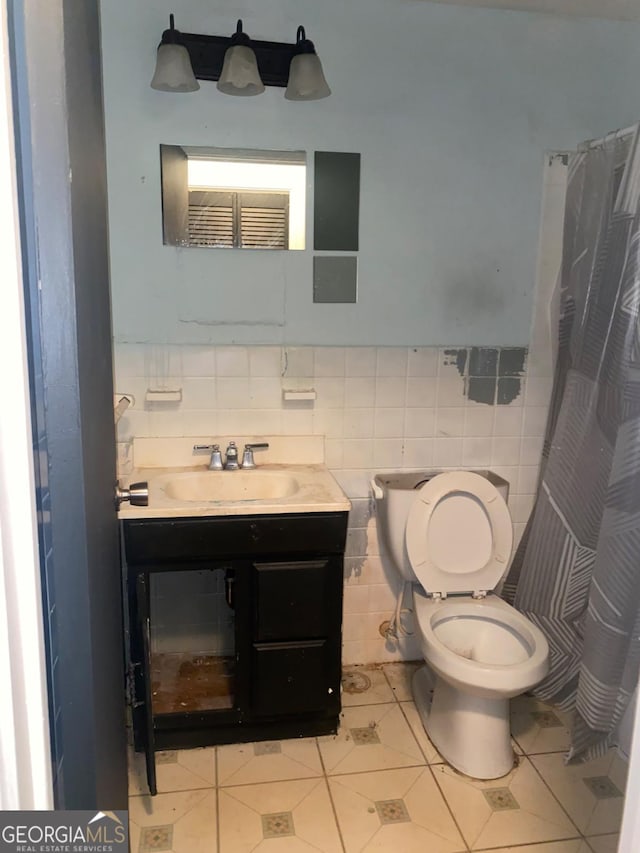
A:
(394, 494)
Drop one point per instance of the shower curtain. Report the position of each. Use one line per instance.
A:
(576, 573)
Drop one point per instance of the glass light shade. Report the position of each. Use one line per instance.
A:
(173, 70)
(240, 75)
(306, 79)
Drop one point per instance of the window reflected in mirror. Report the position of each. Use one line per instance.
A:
(233, 198)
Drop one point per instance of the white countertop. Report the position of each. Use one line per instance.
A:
(316, 491)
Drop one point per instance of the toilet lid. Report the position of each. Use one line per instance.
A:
(459, 534)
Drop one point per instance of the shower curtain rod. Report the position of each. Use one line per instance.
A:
(593, 143)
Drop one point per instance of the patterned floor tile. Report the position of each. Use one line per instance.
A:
(178, 770)
(390, 744)
(538, 727)
(277, 825)
(500, 799)
(393, 811)
(592, 793)
(602, 787)
(178, 822)
(364, 685)
(364, 736)
(538, 817)
(248, 763)
(278, 816)
(156, 838)
(399, 676)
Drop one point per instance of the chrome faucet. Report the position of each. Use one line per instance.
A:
(231, 462)
(215, 462)
(231, 457)
(247, 456)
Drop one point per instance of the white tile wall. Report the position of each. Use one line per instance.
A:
(378, 408)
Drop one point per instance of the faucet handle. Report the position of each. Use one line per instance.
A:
(215, 462)
(247, 456)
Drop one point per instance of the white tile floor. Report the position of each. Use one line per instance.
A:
(379, 785)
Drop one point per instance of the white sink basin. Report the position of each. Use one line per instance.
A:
(199, 486)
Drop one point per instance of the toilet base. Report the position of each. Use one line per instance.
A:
(470, 732)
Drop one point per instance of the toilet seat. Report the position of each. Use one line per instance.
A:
(458, 535)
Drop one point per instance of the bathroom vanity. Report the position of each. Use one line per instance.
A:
(269, 571)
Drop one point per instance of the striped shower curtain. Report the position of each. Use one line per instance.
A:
(576, 573)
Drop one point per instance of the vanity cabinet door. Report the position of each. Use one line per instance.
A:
(290, 678)
(292, 600)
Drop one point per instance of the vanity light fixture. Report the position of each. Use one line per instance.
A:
(173, 66)
(240, 75)
(306, 77)
(241, 66)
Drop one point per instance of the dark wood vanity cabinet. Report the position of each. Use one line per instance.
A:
(283, 577)
(293, 656)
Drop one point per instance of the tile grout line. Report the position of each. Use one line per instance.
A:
(548, 787)
(402, 711)
(532, 844)
(270, 781)
(175, 791)
(406, 719)
(379, 770)
(328, 789)
(600, 834)
(393, 692)
(366, 705)
(449, 808)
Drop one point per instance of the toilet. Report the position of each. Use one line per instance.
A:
(450, 535)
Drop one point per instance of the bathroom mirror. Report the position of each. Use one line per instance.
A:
(231, 198)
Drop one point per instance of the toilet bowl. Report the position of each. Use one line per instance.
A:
(451, 536)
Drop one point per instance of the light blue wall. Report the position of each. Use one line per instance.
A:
(452, 109)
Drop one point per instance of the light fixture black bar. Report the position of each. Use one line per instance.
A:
(207, 55)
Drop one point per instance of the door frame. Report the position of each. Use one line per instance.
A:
(60, 179)
(26, 778)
